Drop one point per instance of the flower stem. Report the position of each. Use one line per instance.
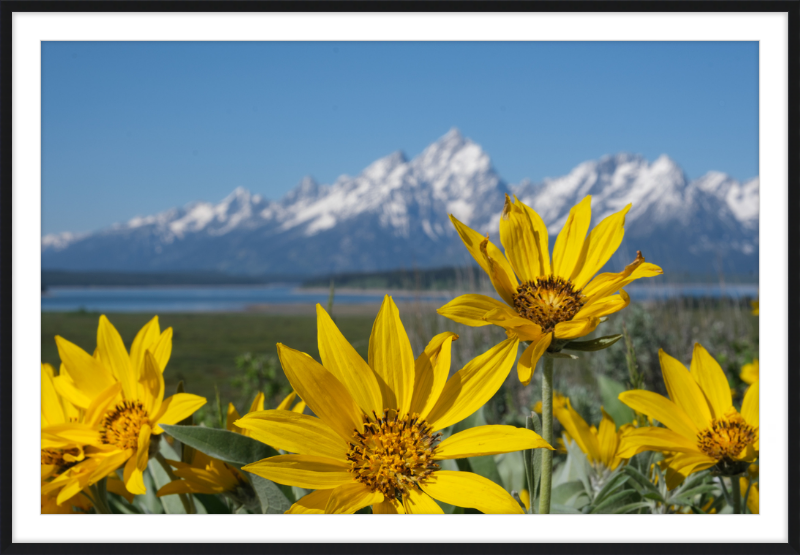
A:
(100, 497)
(547, 434)
(737, 496)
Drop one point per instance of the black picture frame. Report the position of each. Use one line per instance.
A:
(7, 8)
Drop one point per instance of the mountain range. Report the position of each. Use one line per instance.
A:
(394, 214)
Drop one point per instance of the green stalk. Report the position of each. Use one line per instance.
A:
(100, 497)
(547, 434)
(737, 496)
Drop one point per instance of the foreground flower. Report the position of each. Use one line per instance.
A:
(550, 304)
(703, 429)
(375, 441)
(752, 495)
(131, 386)
(749, 373)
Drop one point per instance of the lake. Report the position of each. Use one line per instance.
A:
(239, 298)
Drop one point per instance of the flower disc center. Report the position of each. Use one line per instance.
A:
(393, 453)
(726, 438)
(121, 425)
(548, 301)
(61, 458)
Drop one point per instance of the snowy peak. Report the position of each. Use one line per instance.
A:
(394, 213)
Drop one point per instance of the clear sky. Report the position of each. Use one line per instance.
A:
(134, 128)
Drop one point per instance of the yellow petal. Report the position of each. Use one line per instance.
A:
(607, 284)
(749, 372)
(143, 447)
(514, 324)
(388, 507)
(430, 373)
(98, 407)
(145, 340)
(176, 408)
(465, 489)
(540, 232)
(312, 504)
(607, 439)
(163, 349)
(654, 439)
(300, 407)
(472, 386)
(470, 309)
(472, 240)
(605, 306)
(391, 357)
(569, 243)
(601, 243)
(489, 440)
(683, 464)
(579, 430)
(750, 405)
(258, 403)
(73, 433)
(296, 433)
(348, 498)
(287, 402)
(52, 410)
(752, 497)
(115, 485)
(152, 381)
(303, 471)
(530, 357)
(709, 375)
(662, 409)
(504, 282)
(521, 242)
(573, 329)
(342, 360)
(134, 480)
(326, 396)
(112, 353)
(684, 391)
(232, 417)
(417, 502)
(90, 376)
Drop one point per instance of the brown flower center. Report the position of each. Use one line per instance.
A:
(121, 425)
(394, 453)
(548, 301)
(727, 437)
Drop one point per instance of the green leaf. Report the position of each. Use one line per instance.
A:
(172, 503)
(614, 499)
(150, 503)
(593, 344)
(533, 462)
(615, 482)
(686, 497)
(630, 507)
(609, 394)
(641, 479)
(272, 499)
(569, 495)
(212, 503)
(230, 447)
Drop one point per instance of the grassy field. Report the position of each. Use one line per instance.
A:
(205, 346)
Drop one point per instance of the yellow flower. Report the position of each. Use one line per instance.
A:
(129, 387)
(703, 429)
(601, 446)
(374, 439)
(206, 474)
(754, 304)
(749, 373)
(752, 497)
(525, 497)
(550, 304)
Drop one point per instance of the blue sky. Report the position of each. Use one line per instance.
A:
(134, 128)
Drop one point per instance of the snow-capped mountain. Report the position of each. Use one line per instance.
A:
(394, 215)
